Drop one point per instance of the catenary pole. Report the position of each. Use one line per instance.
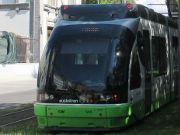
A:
(179, 48)
(36, 33)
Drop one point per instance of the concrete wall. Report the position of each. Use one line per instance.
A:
(17, 22)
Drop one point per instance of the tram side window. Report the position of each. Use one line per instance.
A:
(135, 72)
(175, 51)
(3, 49)
(144, 49)
(175, 43)
(147, 56)
(159, 56)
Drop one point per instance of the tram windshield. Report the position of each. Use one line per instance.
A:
(83, 61)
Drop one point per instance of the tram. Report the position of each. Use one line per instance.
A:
(105, 67)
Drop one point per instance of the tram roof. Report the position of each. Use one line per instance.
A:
(102, 12)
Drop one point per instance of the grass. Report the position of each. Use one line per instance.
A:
(166, 121)
(29, 128)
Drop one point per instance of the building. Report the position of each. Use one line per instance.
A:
(173, 7)
(31, 20)
(12, 14)
(49, 16)
(165, 7)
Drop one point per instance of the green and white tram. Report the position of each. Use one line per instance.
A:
(105, 67)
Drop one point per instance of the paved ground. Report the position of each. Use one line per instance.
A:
(8, 105)
(18, 97)
(17, 85)
(15, 91)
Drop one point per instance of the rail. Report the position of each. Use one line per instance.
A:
(19, 116)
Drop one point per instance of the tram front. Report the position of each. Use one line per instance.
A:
(83, 76)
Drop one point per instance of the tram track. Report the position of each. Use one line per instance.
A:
(16, 117)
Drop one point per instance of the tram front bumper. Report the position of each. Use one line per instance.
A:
(82, 116)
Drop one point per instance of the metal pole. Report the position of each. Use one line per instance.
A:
(179, 49)
(37, 30)
(31, 31)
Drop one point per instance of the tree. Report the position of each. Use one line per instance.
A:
(89, 1)
(172, 6)
(110, 1)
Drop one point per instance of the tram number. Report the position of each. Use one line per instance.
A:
(68, 101)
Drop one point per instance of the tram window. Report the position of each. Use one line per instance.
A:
(159, 56)
(163, 56)
(175, 42)
(175, 50)
(143, 43)
(3, 48)
(135, 72)
(146, 42)
(83, 60)
(90, 59)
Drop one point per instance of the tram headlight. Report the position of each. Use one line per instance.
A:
(42, 96)
(100, 98)
(111, 98)
(51, 97)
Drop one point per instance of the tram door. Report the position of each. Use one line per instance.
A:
(148, 79)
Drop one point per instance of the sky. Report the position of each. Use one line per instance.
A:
(157, 8)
